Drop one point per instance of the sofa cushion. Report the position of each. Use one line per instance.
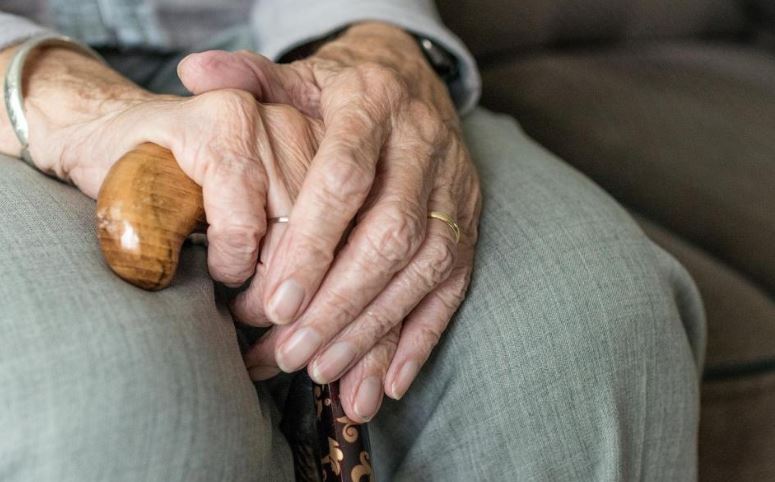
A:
(492, 27)
(762, 12)
(738, 392)
(741, 317)
(683, 133)
(737, 429)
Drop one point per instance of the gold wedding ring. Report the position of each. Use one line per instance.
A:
(446, 218)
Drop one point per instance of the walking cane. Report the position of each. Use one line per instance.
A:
(146, 209)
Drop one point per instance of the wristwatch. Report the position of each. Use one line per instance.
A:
(443, 63)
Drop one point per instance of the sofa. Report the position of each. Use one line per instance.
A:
(669, 105)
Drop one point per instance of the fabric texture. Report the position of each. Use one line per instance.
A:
(680, 132)
(737, 445)
(740, 313)
(738, 390)
(575, 357)
(277, 25)
(494, 28)
(565, 362)
(103, 381)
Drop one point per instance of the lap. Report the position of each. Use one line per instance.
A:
(574, 357)
(100, 379)
(576, 353)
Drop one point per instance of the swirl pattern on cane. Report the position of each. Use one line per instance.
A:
(350, 430)
(334, 457)
(362, 470)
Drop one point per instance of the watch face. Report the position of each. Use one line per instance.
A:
(445, 64)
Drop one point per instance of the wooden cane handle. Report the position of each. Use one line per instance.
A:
(146, 209)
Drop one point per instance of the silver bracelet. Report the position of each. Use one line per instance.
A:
(14, 97)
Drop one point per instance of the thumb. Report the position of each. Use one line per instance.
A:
(244, 70)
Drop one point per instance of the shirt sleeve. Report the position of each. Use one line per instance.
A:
(282, 25)
(14, 29)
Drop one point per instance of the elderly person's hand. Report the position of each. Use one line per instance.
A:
(391, 154)
(83, 117)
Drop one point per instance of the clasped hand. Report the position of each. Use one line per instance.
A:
(357, 144)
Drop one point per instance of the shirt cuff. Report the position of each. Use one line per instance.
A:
(280, 27)
(15, 29)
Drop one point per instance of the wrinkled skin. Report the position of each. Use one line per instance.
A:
(249, 158)
(370, 310)
(381, 141)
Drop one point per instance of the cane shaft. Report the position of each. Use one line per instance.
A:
(344, 444)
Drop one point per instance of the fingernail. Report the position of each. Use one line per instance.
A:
(183, 61)
(285, 302)
(404, 380)
(294, 353)
(260, 374)
(333, 362)
(368, 398)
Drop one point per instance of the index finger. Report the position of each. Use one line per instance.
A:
(336, 186)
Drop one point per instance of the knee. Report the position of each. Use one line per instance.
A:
(594, 301)
(573, 351)
(580, 331)
(578, 345)
(563, 272)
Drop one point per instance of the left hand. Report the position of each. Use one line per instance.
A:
(392, 152)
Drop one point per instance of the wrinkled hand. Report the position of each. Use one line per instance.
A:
(391, 153)
(249, 158)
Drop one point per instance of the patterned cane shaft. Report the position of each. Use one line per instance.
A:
(344, 444)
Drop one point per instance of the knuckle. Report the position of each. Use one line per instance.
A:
(384, 81)
(228, 101)
(341, 308)
(378, 357)
(390, 343)
(394, 336)
(428, 336)
(229, 129)
(313, 252)
(454, 292)
(230, 163)
(240, 241)
(345, 180)
(379, 322)
(380, 75)
(439, 262)
(226, 172)
(458, 152)
(427, 122)
(394, 236)
(283, 115)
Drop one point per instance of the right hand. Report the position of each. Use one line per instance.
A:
(249, 159)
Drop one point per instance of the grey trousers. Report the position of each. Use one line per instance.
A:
(575, 356)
